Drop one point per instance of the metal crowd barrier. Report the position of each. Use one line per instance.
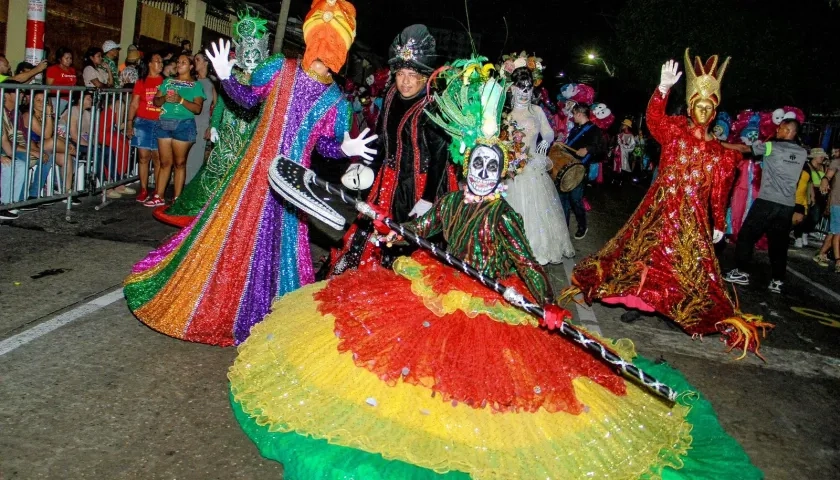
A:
(81, 149)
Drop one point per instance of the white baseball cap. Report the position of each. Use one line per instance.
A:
(110, 45)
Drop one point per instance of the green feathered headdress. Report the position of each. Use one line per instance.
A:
(470, 105)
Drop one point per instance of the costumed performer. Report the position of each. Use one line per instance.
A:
(663, 259)
(748, 173)
(421, 373)
(603, 118)
(231, 126)
(531, 191)
(626, 144)
(216, 279)
(412, 157)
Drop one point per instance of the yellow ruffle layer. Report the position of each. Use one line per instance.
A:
(442, 305)
(289, 376)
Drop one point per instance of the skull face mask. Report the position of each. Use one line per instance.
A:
(485, 170)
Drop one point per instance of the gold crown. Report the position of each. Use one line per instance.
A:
(703, 80)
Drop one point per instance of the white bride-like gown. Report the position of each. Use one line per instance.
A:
(533, 195)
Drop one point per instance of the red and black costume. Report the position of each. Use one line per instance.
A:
(412, 157)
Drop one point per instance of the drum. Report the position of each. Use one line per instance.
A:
(566, 171)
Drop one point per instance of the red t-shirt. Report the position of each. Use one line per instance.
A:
(62, 78)
(146, 90)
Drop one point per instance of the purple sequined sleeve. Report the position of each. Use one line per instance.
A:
(244, 95)
(329, 147)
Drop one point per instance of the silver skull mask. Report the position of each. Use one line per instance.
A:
(485, 170)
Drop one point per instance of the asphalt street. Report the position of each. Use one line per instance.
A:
(88, 392)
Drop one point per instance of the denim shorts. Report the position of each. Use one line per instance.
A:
(834, 220)
(145, 134)
(181, 130)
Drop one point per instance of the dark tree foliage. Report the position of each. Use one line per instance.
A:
(782, 52)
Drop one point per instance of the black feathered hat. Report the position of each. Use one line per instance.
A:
(414, 48)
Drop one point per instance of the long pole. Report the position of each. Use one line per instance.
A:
(628, 369)
(282, 20)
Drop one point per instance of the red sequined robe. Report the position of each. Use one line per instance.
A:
(663, 259)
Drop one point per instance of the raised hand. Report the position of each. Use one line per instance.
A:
(670, 76)
(219, 59)
(358, 147)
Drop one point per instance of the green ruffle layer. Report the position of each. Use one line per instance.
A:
(714, 455)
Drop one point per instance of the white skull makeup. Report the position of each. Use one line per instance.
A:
(485, 170)
(521, 96)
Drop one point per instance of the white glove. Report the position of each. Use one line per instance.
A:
(214, 135)
(542, 148)
(669, 77)
(717, 236)
(420, 208)
(358, 177)
(219, 59)
(358, 147)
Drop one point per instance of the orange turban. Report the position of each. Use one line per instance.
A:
(328, 30)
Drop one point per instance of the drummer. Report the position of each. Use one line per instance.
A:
(587, 146)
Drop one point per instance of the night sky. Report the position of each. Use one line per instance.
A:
(780, 50)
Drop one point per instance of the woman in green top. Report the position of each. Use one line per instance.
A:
(180, 99)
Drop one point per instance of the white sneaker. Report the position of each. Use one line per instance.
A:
(797, 243)
(737, 276)
(775, 286)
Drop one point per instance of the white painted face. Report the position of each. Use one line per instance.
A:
(521, 95)
(485, 170)
(600, 111)
(778, 116)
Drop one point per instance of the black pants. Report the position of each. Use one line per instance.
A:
(773, 219)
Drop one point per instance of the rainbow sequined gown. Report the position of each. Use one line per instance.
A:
(217, 278)
(421, 373)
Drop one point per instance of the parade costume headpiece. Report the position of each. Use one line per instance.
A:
(250, 40)
(328, 31)
(470, 110)
(414, 48)
(470, 106)
(702, 81)
(722, 126)
(514, 61)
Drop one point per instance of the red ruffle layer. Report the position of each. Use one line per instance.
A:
(477, 361)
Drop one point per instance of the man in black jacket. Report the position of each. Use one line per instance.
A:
(412, 157)
(586, 139)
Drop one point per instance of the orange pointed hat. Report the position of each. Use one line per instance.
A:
(703, 80)
(328, 31)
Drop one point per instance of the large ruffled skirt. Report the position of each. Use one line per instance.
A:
(534, 197)
(420, 373)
